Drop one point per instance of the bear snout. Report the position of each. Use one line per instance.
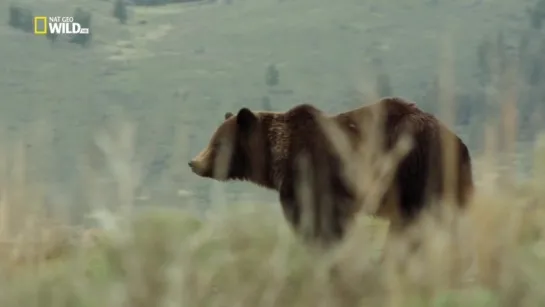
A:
(193, 165)
(198, 167)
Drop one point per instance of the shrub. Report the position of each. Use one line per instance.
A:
(21, 18)
(272, 75)
(120, 11)
(537, 14)
(84, 19)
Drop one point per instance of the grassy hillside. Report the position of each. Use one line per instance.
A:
(177, 73)
(111, 126)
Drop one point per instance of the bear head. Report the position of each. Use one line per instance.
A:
(236, 151)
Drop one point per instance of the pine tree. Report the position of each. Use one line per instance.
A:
(84, 19)
(272, 76)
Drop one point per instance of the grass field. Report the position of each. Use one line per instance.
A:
(109, 128)
(245, 255)
(177, 74)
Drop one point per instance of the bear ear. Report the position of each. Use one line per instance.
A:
(228, 115)
(246, 119)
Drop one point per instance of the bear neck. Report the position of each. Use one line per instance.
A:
(276, 137)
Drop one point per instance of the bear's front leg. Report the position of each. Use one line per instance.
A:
(303, 220)
(290, 209)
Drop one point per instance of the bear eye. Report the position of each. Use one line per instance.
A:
(217, 144)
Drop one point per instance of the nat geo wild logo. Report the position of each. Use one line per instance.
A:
(44, 25)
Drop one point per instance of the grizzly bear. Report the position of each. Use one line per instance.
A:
(295, 154)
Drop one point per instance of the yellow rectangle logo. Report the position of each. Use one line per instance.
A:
(37, 21)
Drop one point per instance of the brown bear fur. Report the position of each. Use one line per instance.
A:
(265, 147)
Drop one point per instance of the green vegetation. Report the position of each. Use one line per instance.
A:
(537, 13)
(161, 2)
(164, 51)
(21, 18)
(84, 19)
(111, 127)
(120, 11)
(272, 76)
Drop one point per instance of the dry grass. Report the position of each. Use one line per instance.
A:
(246, 256)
